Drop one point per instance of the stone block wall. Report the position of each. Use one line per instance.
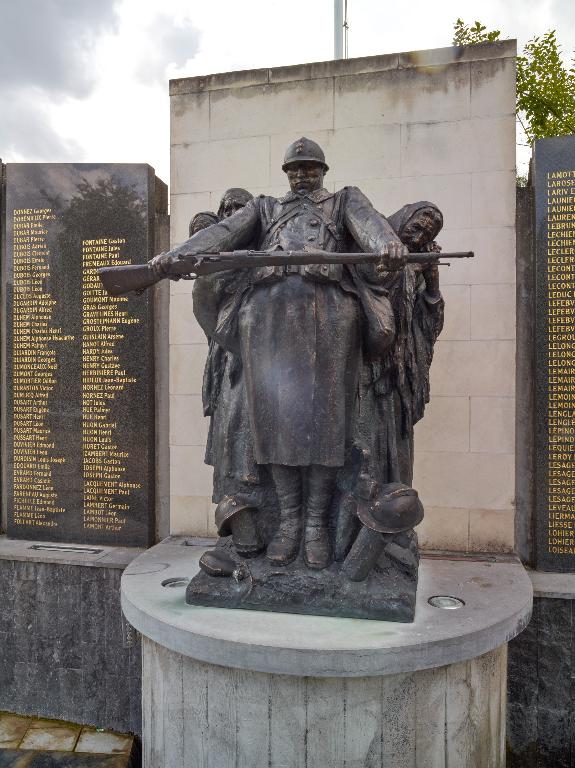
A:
(66, 650)
(541, 692)
(437, 125)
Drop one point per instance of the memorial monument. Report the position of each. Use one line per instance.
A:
(326, 336)
(264, 688)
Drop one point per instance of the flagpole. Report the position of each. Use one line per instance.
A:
(338, 29)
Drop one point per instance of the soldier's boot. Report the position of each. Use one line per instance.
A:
(317, 550)
(285, 544)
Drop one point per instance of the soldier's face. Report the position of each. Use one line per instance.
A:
(231, 207)
(422, 228)
(305, 176)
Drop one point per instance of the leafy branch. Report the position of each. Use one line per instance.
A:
(545, 85)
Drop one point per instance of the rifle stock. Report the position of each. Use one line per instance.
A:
(125, 279)
(120, 280)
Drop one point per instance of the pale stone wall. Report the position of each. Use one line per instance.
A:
(436, 125)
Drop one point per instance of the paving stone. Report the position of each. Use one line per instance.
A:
(12, 730)
(18, 759)
(104, 742)
(50, 735)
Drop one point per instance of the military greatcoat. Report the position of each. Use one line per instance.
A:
(300, 330)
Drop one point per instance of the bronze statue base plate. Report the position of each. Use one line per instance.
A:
(387, 594)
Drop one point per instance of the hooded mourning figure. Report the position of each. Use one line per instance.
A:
(232, 201)
(421, 305)
(397, 386)
(229, 447)
(201, 221)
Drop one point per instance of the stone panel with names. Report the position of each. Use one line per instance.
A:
(554, 172)
(79, 392)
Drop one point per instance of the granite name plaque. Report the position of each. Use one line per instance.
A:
(79, 391)
(554, 168)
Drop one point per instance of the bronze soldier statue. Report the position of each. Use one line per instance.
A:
(301, 332)
(321, 342)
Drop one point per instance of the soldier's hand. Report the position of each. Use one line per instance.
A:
(431, 276)
(393, 257)
(160, 265)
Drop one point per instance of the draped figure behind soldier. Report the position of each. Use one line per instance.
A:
(396, 387)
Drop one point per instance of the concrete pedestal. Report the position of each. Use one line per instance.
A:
(226, 688)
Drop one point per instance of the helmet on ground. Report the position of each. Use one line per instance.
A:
(396, 508)
(227, 509)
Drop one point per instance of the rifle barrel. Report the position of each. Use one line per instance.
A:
(119, 280)
(207, 263)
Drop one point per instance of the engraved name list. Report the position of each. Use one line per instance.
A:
(79, 463)
(555, 352)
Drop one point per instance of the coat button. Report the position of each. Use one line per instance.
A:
(314, 223)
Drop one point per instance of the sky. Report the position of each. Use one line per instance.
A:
(87, 80)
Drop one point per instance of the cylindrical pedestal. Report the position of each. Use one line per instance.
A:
(225, 688)
(198, 715)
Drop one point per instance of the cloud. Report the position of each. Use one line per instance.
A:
(26, 130)
(47, 43)
(47, 58)
(169, 44)
(563, 20)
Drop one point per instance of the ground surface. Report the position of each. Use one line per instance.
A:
(27, 742)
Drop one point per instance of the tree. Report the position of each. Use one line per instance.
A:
(463, 35)
(545, 85)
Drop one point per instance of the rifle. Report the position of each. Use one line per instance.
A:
(119, 280)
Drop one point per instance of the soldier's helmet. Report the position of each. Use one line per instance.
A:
(304, 150)
(395, 508)
(227, 509)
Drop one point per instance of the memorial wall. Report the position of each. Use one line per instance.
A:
(554, 173)
(79, 447)
(436, 125)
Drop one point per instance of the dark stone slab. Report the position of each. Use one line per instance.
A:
(554, 174)
(553, 739)
(387, 594)
(555, 622)
(65, 653)
(522, 675)
(2, 207)
(554, 675)
(521, 736)
(80, 446)
(541, 688)
(525, 375)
